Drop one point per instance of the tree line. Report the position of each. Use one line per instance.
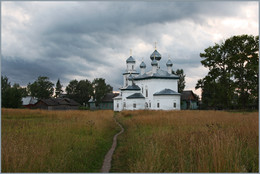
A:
(232, 80)
(42, 88)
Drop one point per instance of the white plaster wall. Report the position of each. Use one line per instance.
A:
(156, 85)
(139, 104)
(167, 102)
(119, 102)
(129, 67)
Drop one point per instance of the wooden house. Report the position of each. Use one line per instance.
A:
(106, 102)
(189, 100)
(57, 104)
(29, 102)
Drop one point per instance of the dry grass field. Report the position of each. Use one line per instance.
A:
(187, 141)
(55, 141)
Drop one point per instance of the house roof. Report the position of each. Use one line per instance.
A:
(133, 87)
(135, 96)
(29, 100)
(160, 74)
(107, 98)
(130, 60)
(166, 92)
(59, 101)
(188, 95)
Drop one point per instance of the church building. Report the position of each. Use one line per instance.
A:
(156, 89)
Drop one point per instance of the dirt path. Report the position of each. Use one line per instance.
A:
(108, 158)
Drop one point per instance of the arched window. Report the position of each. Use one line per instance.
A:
(149, 104)
(132, 67)
(158, 105)
(134, 105)
(174, 104)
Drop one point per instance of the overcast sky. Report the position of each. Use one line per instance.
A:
(87, 40)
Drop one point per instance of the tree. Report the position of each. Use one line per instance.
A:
(80, 91)
(100, 89)
(181, 82)
(232, 80)
(58, 89)
(11, 95)
(85, 91)
(71, 89)
(5, 86)
(42, 88)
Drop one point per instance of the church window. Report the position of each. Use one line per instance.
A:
(149, 104)
(134, 105)
(146, 92)
(124, 105)
(158, 105)
(174, 105)
(132, 67)
(142, 90)
(146, 105)
(117, 105)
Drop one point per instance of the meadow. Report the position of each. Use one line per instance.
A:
(55, 141)
(187, 141)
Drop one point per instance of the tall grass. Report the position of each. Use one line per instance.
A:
(187, 141)
(55, 141)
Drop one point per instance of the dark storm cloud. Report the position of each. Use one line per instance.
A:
(88, 39)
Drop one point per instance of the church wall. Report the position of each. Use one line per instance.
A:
(156, 85)
(139, 104)
(167, 102)
(117, 105)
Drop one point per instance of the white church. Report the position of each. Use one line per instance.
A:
(154, 90)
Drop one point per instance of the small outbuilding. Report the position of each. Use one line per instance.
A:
(189, 100)
(106, 102)
(57, 104)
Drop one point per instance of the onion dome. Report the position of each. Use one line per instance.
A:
(142, 65)
(130, 77)
(130, 60)
(169, 62)
(154, 62)
(156, 55)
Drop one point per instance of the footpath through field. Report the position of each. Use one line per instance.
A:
(108, 158)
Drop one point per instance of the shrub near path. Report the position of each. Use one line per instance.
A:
(55, 141)
(187, 141)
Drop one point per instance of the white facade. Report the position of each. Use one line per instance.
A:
(155, 90)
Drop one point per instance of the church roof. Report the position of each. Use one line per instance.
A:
(135, 96)
(160, 74)
(132, 72)
(156, 55)
(130, 77)
(133, 87)
(166, 92)
(130, 60)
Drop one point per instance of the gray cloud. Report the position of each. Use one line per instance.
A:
(69, 40)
